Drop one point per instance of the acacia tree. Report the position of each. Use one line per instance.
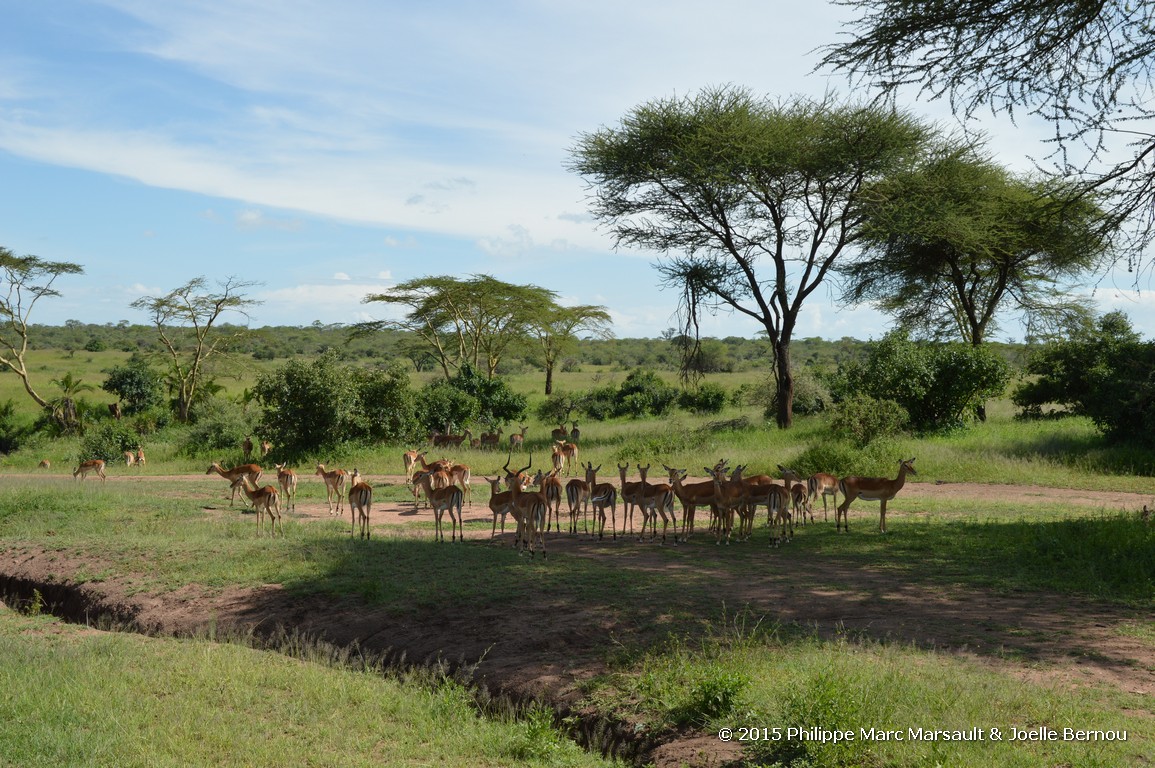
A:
(752, 201)
(556, 332)
(188, 322)
(27, 279)
(952, 244)
(1085, 67)
(472, 321)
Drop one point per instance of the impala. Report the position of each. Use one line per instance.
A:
(129, 458)
(287, 479)
(92, 465)
(577, 494)
(692, 496)
(410, 459)
(266, 448)
(551, 486)
(45, 464)
(500, 503)
(334, 485)
(657, 499)
(799, 493)
(801, 502)
(575, 433)
(360, 501)
(491, 439)
(826, 485)
(247, 447)
(517, 439)
(438, 479)
(778, 510)
(263, 500)
(252, 471)
(529, 507)
(629, 498)
(558, 457)
(461, 474)
(569, 452)
(729, 496)
(602, 494)
(442, 499)
(872, 489)
(561, 433)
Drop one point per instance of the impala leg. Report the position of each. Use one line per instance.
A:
(882, 517)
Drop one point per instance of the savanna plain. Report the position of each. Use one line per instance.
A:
(147, 624)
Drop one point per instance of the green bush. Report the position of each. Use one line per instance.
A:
(941, 386)
(220, 426)
(708, 398)
(317, 405)
(108, 441)
(862, 418)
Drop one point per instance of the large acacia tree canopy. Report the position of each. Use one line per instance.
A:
(949, 245)
(1086, 67)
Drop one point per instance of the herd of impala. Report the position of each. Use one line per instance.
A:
(732, 498)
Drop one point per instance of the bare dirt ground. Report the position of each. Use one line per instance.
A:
(545, 649)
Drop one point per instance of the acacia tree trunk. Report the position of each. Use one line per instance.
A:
(784, 380)
(549, 378)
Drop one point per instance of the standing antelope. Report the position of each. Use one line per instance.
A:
(692, 496)
(872, 489)
(517, 439)
(799, 493)
(247, 447)
(360, 501)
(629, 498)
(442, 499)
(266, 448)
(263, 500)
(575, 433)
(287, 479)
(253, 472)
(92, 465)
(561, 433)
(602, 494)
(499, 504)
(410, 458)
(826, 485)
(528, 507)
(551, 486)
(577, 494)
(334, 485)
(657, 499)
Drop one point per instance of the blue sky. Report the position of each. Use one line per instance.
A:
(331, 148)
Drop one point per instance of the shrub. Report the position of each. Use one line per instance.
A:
(439, 403)
(862, 418)
(940, 385)
(11, 432)
(811, 395)
(221, 425)
(708, 398)
(643, 393)
(135, 384)
(108, 441)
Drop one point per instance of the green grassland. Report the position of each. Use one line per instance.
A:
(697, 661)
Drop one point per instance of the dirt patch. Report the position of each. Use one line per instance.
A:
(545, 648)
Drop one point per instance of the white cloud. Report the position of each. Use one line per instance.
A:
(341, 276)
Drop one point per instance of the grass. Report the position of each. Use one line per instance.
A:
(777, 688)
(82, 698)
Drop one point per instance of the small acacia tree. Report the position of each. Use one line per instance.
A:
(188, 320)
(472, 321)
(27, 279)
